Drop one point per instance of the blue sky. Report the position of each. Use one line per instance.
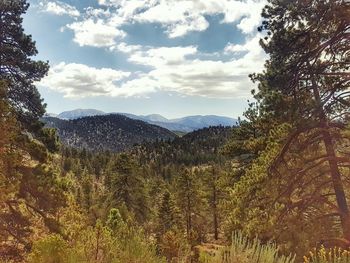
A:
(172, 57)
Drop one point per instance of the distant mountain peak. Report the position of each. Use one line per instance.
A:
(184, 124)
(113, 132)
(78, 113)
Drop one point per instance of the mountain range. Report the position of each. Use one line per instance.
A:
(185, 124)
(112, 132)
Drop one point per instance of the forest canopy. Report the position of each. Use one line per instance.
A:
(271, 189)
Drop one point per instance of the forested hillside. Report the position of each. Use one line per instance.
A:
(273, 189)
(195, 148)
(185, 124)
(108, 132)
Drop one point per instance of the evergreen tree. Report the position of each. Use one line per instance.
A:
(213, 181)
(300, 116)
(34, 194)
(168, 214)
(28, 183)
(191, 203)
(127, 187)
(309, 64)
(16, 65)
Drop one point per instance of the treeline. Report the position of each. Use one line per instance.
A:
(178, 210)
(113, 132)
(294, 144)
(195, 148)
(282, 176)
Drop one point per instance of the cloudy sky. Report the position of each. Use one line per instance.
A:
(172, 57)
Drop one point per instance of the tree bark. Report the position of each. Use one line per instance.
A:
(215, 212)
(333, 165)
(215, 215)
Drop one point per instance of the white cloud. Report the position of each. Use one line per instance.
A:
(95, 33)
(174, 71)
(251, 45)
(163, 56)
(183, 16)
(97, 12)
(79, 81)
(125, 48)
(109, 2)
(178, 17)
(181, 69)
(59, 8)
(171, 69)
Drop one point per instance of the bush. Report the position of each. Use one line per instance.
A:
(51, 249)
(243, 250)
(95, 244)
(332, 255)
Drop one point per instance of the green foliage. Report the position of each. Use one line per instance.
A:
(50, 139)
(296, 177)
(174, 246)
(115, 220)
(243, 250)
(96, 243)
(137, 249)
(16, 65)
(191, 204)
(29, 186)
(193, 149)
(51, 249)
(284, 175)
(30, 193)
(249, 197)
(168, 214)
(127, 187)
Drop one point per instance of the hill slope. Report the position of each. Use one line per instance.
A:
(106, 132)
(185, 124)
(195, 148)
(79, 113)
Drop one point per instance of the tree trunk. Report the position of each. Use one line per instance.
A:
(189, 217)
(215, 215)
(97, 244)
(337, 185)
(334, 169)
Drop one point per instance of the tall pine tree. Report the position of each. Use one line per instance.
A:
(16, 64)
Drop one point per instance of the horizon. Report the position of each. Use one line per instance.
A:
(146, 114)
(140, 57)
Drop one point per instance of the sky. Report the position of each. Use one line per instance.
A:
(171, 57)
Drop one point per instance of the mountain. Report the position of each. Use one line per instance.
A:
(194, 148)
(189, 123)
(185, 124)
(112, 132)
(147, 118)
(79, 113)
(51, 115)
(155, 118)
(199, 121)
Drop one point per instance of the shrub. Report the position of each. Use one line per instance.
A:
(51, 249)
(332, 255)
(243, 250)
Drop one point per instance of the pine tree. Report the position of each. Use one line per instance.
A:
(127, 187)
(168, 214)
(309, 64)
(28, 178)
(16, 65)
(191, 203)
(28, 184)
(214, 193)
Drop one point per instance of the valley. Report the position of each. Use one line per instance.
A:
(91, 186)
